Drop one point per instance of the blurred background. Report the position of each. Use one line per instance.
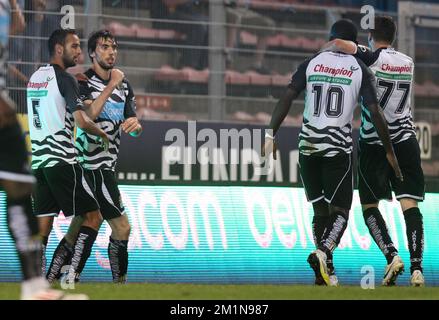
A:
(228, 61)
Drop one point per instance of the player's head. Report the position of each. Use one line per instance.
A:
(384, 31)
(65, 45)
(102, 49)
(344, 29)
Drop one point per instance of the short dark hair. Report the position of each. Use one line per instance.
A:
(59, 37)
(94, 37)
(385, 29)
(344, 29)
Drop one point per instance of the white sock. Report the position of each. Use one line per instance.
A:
(32, 286)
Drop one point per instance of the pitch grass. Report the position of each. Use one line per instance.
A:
(143, 291)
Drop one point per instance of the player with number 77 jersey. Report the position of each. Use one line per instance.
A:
(393, 71)
(333, 83)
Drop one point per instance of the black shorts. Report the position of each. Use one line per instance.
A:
(65, 188)
(376, 178)
(107, 193)
(328, 178)
(14, 159)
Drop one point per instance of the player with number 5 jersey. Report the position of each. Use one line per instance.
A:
(54, 108)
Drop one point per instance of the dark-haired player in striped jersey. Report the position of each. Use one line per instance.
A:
(394, 82)
(333, 83)
(113, 114)
(54, 108)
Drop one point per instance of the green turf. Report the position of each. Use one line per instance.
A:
(134, 291)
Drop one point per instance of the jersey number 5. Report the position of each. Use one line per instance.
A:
(36, 115)
(334, 100)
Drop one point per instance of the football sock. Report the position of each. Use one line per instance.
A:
(415, 237)
(378, 229)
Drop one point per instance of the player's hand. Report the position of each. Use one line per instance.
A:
(269, 146)
(131, 126)
(104, 142)
(7, 112)
(116, 77)
(395, 165)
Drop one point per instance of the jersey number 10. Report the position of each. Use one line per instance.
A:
(334, 100)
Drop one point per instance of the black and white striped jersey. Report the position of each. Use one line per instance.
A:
(52, 98)
(333, 82)
(5, 11)
(120, 106)
(394, 82)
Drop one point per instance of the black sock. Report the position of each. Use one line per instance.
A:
(380, 234)
(82, 249)
(61, 256)
(23, 227)
(319, 223)
(45, 240)
(415, 237)
(335, 228)
(118, 256)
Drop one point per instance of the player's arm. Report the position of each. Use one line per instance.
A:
(370, 101)
(131, 125)
(93, 107)
(17, 24)
(344, 46)
(87, 125)
(361, 52)
(295, 87)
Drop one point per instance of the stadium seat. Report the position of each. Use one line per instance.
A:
(263, 117)
(274, 41)
(259, 79)
(237, 78)
(195, 76)
(119, 29)
(243, 116)
(280, 80)
(167, 73)
(147, 33)
(141, 32)
(283, 41)
(246, 38)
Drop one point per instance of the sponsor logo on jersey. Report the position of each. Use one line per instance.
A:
(398, 69)
(37, 85)
(333, 71)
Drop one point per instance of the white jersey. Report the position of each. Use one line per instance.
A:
(334, 82)
(120, 105)
(52, 97)
(393, 71)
